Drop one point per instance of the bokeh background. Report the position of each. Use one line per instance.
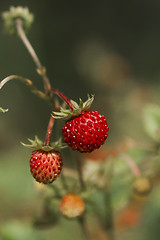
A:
(109, 48)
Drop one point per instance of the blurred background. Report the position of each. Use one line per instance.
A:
(107, 48)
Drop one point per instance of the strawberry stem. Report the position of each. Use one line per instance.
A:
(40, 69)
(63, 97)
(49, 131)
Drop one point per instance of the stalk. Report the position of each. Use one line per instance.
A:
(49, 131)
(40, 69)
(27, 82)
(63, 97)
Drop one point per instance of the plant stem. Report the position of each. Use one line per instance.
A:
(63, 97)
(49, 131)
(40, 69)
(26, 81)
(131, 163)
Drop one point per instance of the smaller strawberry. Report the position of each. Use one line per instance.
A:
(85, 130)
(45, 166)
(45, 161)
(72, 205)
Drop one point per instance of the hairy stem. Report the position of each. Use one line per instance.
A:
(40, 69)
(63, 97)
(131, 163)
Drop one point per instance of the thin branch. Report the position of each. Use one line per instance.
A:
(40, 69)
(26, 81)
(49, 131)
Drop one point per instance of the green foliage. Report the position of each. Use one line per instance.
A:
(151, 117)
(17, 230)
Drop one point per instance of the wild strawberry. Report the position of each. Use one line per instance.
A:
(45, 166)
(86, 132)
(72, 205)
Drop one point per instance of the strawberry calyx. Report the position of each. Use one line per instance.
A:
(38, 144)
(66, 113)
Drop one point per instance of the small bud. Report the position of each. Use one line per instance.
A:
(14, 13)
(72, 205)
(142, 186)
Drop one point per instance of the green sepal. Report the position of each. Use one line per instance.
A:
(3, 110)
(77, 109)
(75, 105)
(38, 144)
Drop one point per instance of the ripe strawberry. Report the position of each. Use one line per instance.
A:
(86, 132)
(45, 166)
(72, 205)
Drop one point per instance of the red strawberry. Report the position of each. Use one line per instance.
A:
(45, 166)
(86, 132)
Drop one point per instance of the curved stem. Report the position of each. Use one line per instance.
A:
(41, 70)
(133, 166)
(26, 81)
(63, 97)
(11, 77)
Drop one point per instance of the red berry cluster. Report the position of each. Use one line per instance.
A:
(86, 132)
(45, 166)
